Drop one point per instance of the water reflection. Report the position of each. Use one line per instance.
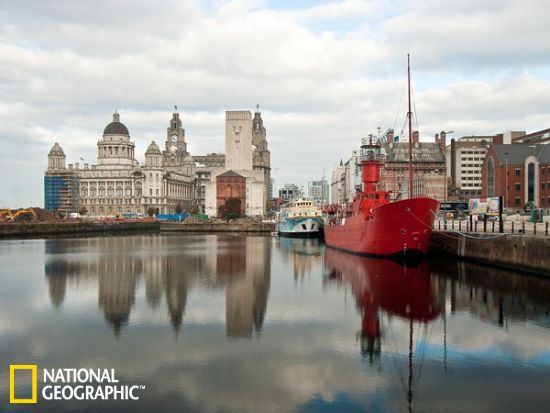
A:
(304, 253)
(493, 295)
(169, 267)
(358, 334)
(383, 285)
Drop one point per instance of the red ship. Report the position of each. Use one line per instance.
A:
(374, 225)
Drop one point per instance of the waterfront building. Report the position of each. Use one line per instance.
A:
(520, 173)
(428, 163)
(119, 184)
(239, 153)
(318, 191)
(60, 184)
(261, 157)
(336, 184)
(289, 192)
(428, 167)
(464, 159)
(205, 166)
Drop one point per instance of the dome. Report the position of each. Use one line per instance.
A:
(56, 150)
(116, 127)
(153, 149)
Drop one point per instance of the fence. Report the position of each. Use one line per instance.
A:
(508, 227)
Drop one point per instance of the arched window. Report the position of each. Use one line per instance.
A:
(490, 176)
(531, 182)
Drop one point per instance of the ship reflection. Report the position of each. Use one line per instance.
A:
(305, 254)
(169, 270)
(380, 285)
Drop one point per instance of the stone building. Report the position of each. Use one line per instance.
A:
(249, 151)
(60, 184)
(120, 185)
(261, 157)
(239, 154)
(428, 164)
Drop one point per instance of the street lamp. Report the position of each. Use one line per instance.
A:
(445, 175)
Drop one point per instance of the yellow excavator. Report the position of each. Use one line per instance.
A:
(19, 215)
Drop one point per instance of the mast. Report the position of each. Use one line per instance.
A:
(410, 392)
(409, 116)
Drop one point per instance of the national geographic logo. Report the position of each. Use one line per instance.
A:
(69, 384)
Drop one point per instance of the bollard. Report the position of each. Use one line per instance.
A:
(460, 226)
(475, 227)
(485, 224)
(493, 226)
(535, 227)
(546, 230)
(512, 227)
(453, 224)
(523, 227)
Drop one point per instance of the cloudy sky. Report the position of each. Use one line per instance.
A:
(325, 74)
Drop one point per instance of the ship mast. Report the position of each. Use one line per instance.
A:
(409, 116)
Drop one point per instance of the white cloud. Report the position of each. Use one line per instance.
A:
(325, 75)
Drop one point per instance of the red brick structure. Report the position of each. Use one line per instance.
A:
(230, 185)
(519, 173)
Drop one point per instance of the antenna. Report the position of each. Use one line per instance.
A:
(176, 108)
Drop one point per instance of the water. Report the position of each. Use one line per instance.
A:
(231, 323)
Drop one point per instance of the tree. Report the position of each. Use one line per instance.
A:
(231, 209)
(152, 211)
(83, 211)
(179, 208)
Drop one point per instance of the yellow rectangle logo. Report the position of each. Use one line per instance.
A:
(34, 374)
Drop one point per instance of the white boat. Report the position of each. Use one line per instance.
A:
(300, 218)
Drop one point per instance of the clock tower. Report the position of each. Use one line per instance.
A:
(175, 146)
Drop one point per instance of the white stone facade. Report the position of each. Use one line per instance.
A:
(119, 185)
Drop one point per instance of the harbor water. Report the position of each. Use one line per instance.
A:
(237, 323)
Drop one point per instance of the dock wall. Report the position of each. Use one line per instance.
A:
(254, 227)
(518, 252)
(20, 230)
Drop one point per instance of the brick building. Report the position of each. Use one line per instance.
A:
(519, 173)
(230, 185)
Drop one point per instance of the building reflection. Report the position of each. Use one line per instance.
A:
(492, 295)
(169, 268)
(304, 253)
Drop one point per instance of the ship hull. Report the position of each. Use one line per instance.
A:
(401, 228)
(300, 227)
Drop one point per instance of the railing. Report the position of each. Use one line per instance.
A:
(509, 227)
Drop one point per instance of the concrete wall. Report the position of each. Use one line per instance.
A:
(519, 252)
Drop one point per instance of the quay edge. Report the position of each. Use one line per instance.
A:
(523, 253)
(41, 229)
(248, 227)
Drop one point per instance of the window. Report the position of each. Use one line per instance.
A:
(491, 176)
(518, 201)
(518, 172)
(518, 187)
(531, 182)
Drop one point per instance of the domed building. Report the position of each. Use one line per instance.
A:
(119, 184)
